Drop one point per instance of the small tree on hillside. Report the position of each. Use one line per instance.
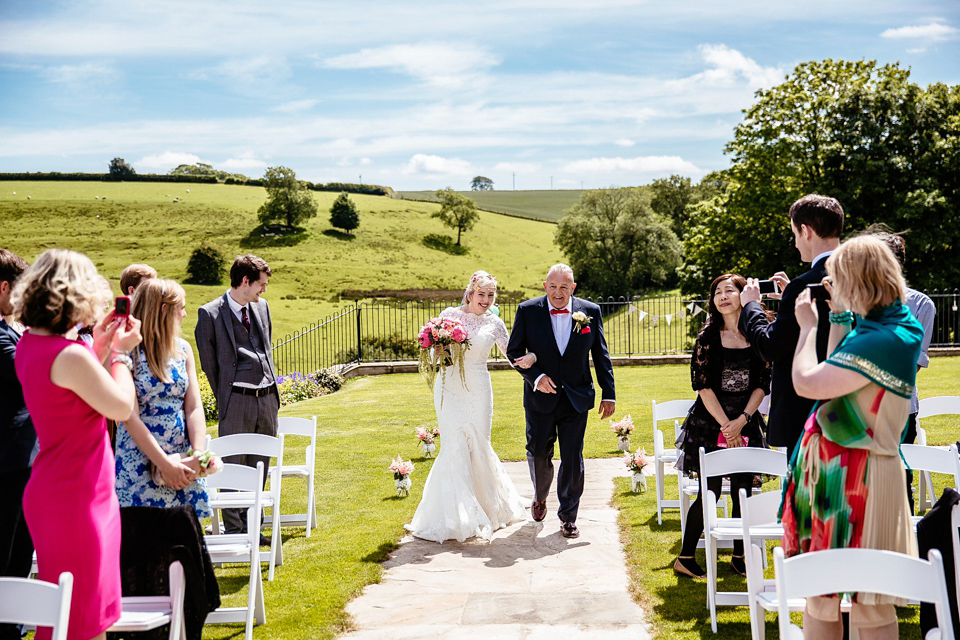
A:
(344, 214)
(456, 211)
(481, 183)
(288, 200)
(120, 170)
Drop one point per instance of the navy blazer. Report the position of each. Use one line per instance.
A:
(17, 436)
(217, 345)
(776, 342)
(533, 332)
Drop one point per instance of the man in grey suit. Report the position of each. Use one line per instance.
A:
(234, 335)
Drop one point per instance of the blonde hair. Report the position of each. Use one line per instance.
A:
(479, 280)
(60, 290)
(866, 275)
(155, 305)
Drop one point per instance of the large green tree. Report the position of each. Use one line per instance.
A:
(616, 244)
(120, 170)
(457, 211)
(886, 148)
(344, 214)
(672, 197)
(288, 200)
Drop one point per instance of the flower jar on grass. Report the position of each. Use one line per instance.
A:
(636, 463)
(401, 476)
(623, 429)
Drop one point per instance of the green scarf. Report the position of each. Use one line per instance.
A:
(884, 347)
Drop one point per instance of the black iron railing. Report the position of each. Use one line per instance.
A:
(385, 331)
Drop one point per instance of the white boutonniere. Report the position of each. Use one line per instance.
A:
(580, 322)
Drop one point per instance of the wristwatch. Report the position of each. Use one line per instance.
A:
(746, 415)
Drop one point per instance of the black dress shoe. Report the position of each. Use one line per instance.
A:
(538, 510)
(569, 530)
(265, 541)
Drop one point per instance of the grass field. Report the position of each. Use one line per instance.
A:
(139, 222)
(372, 419)
(548, 205)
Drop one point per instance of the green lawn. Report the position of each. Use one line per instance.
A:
(548, 205)
(372, 420)
(139, 222)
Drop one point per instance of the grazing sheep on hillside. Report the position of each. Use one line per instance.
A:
(14, 193)
(188, 190)
(28, 197)
(103, 197)
(96, 197)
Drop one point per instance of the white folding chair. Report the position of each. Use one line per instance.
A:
(143, 613)
(929, 407)
(37, 603)
(260, 445)
(868, 570)
(725, 462)
(932, 460)
(240, 547)
(663, 456)
(307, 428)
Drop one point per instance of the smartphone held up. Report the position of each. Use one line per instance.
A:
(768, 286)
(818, 291)
(121, 308)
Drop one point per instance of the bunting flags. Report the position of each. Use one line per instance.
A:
(692, 310)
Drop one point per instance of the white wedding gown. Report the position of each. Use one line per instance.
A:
(467, 493)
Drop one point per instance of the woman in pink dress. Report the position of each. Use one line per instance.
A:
(70, 503)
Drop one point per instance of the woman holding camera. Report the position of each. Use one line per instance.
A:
(69, 503)
(847, 486)
(168, 419)
(730, 380)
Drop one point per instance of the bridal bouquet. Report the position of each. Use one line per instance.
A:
(443, 343)
(635, 463)
(401, 475)
(426, 439)
(623, 428)
(208, 462)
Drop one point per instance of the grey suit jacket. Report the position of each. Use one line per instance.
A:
(218, 346)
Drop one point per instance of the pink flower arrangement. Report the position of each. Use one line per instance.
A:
(427, 437)
(622, 428)
(636, 461)
(400, 468)
(442, 342)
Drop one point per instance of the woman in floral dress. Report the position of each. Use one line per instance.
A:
(168, 419)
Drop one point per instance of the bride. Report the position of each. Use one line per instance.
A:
(468, 493)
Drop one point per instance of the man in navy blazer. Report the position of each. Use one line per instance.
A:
(18, 443)
(816, 222)
(563, 332)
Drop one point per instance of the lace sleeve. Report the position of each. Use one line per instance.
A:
(449, 312)
(500, 335)
(700, 364)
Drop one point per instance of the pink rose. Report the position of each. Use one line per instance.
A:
(585, 331)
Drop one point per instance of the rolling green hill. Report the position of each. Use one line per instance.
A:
(120, 223)
(547, 205)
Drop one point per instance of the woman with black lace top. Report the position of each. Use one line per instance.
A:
(730, 380)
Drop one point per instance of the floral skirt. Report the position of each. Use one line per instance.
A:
(825, 497)
(700, 429)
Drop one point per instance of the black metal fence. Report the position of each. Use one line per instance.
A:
(385, 331)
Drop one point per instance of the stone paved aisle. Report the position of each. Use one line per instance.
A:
(528, 583)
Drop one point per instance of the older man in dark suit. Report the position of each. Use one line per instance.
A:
(18, 443)
(816, 222)
(563, 332)
(234, 335)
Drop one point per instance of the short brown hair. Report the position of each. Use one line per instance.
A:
(133, 275)
(896, 244)
(11, 266)
(250, 266)
(59, 290)
(865, 275)
(823, 214)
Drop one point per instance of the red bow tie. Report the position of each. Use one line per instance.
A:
(558, 312)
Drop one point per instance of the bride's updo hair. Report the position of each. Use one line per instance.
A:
(479, 280)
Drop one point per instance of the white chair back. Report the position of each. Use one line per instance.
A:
(33, 602)
(755, 511)
(938, 406)
(933, 459)
(663, 456)
(307, 428)
(143, 613)
(867, 570)
(260, 445)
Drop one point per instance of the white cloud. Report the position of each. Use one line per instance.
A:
(426, 164)
(518, 167)
(296, 106)
(436, 63)
(933, 32)
(732, 67)
(624, 142)
(79, 74)
(166, 161)
(642, 164)
(246, 160)
(365, 161)
(257, 75)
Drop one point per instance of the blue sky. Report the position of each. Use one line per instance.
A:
(424, 95)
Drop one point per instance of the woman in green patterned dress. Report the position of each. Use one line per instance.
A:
(846, 486)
